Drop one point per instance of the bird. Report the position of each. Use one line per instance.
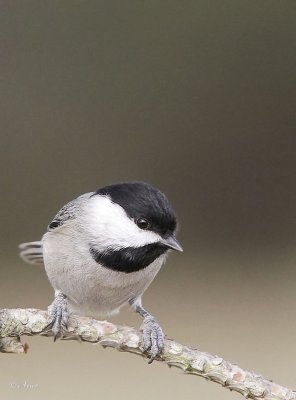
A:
(102, 250)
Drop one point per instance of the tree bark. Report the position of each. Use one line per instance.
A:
(15, 323)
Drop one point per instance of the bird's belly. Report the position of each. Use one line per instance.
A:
(91, 289)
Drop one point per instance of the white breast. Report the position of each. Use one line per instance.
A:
(92, 289)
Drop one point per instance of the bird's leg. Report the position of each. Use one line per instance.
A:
(153, 336)
(58, 313)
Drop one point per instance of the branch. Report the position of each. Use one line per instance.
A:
(17, 322)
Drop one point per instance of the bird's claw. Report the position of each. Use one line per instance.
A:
(59, 315)
(153, 338)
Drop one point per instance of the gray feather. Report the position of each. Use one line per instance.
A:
(68, 212)
(32, 252)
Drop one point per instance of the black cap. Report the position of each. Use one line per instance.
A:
(141, 200)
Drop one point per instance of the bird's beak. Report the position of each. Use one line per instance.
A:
(172, 243)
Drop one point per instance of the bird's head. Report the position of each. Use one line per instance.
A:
(131, 224)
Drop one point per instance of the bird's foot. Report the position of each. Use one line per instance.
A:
(153, 338)
(58, 313)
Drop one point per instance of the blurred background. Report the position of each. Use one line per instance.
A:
(195, 97)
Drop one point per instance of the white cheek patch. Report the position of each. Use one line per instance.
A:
(109, 226)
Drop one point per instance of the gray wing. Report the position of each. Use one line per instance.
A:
(68, 212)
(32, 252)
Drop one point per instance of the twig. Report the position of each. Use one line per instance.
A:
(17, 322)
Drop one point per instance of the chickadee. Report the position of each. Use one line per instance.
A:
(102, 250)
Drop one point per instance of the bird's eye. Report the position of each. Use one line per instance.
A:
(142, 223)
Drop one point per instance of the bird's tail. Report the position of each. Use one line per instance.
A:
(32, 252)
